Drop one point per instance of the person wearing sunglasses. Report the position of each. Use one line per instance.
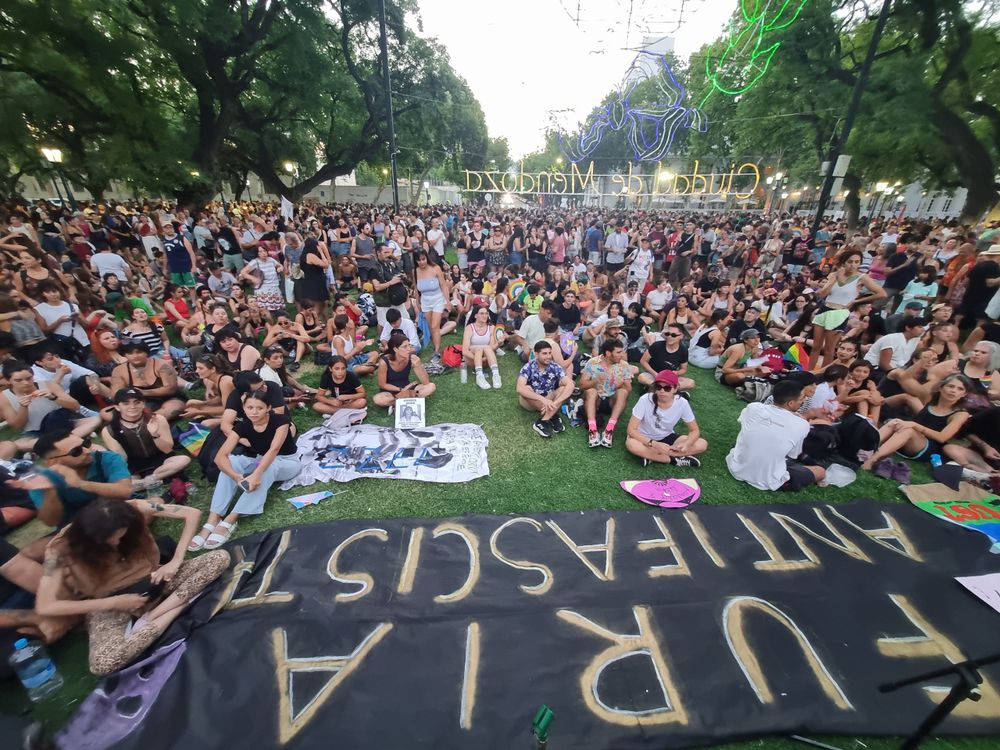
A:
(651, 433)
(669, 353)
(75, 473)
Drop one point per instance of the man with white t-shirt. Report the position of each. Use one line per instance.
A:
(395, 322)
(895, 349)
(435, 237)
(770, 443)
(106, 262)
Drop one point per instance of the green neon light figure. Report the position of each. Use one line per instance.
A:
(748, 53)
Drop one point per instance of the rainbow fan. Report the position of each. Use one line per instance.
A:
(517, 291)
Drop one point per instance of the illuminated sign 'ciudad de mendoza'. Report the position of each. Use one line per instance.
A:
(740, 181)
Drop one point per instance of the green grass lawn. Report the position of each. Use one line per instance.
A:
(527, 474)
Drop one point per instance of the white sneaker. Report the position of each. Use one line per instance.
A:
(496, 380)
(501, 352)
(482, 382)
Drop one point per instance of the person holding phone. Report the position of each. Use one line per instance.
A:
(268, 441)
(106, 566)
(394, 370)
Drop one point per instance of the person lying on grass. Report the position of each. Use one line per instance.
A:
(106, 565)
(651, 430)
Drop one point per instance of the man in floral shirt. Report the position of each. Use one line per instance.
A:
(606, 382)
(543, 386)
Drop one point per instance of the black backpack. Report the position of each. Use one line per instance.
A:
(855, 433)
(209, 450)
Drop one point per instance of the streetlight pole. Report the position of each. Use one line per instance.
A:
(383, 41)
(852, 111)
(54, 157)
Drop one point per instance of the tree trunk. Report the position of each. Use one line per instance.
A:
(852, 205)
(973, 162)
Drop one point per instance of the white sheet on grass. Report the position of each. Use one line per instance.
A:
(436, 453)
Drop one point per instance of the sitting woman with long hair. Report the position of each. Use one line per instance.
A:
(268, 457)
(339, 388)
(394, 370)
(218, 382)
(927, 433)
(479, 343)
(106, 566)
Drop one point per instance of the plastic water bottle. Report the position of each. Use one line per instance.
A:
(35, 669)
(463, 373)
(935, 460)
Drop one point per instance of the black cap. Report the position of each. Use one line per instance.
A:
(133, 345)
(129, 394)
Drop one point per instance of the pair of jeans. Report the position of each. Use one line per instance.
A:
(251, 503)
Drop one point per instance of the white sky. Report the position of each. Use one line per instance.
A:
(527, 61)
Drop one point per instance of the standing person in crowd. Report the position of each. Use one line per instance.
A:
(841, 290)
(433, 293)
(264, 272)
(389, 284)
(769, 445)
(652, 432)
(178, 258)
(313, 266)
(394, 370)
(606, 382)
(543, 386)
(364, 253)
(686, 245)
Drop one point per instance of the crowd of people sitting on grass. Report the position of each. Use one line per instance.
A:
(120, 326)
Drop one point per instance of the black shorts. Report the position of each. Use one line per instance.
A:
(288, 344)
(799, 477)
(615, 267)
(604, 405)
(669, 439)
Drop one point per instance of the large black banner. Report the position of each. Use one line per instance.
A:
(639, 629)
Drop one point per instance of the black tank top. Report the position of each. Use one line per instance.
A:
(397, 378)
(929, 419)
(136, 441)
(157, 381)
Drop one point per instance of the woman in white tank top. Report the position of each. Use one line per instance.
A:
(479, 343)
(839, 292)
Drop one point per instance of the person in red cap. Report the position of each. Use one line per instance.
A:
(652, 434)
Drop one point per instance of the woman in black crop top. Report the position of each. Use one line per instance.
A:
(269, 457)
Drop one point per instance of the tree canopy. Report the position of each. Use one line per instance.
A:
(182, 96)
(930, 111)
